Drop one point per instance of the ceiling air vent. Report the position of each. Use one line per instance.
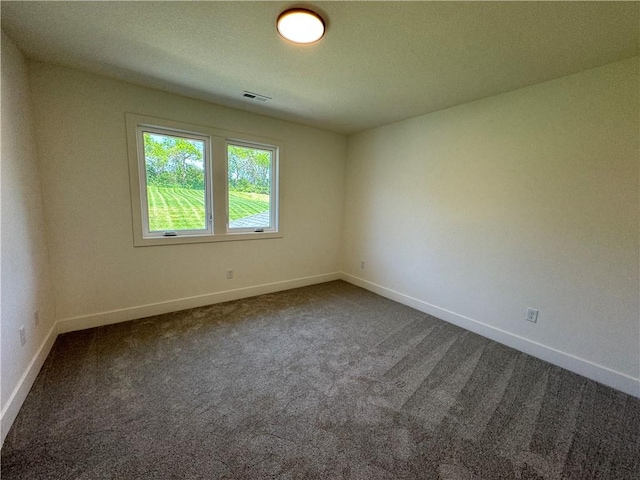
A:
(255, 96)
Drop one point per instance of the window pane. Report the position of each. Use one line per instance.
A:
(175, 182)
(249, 171)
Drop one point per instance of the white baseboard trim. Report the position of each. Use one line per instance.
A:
(19, 394)
(125, 314)
(599, 373)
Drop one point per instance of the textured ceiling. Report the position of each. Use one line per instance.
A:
(379, 62)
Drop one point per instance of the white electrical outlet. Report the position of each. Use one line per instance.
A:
(362, 264)
(229, 274)
(36, 318)
(532, 315)
(23, 336)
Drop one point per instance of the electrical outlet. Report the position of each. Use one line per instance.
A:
(36, 318)
(532, 315)
(23, 336)
(362, 264)
(229, 274)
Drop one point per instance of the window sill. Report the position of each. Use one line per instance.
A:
(227, 237)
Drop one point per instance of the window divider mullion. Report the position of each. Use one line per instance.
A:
(220, 197)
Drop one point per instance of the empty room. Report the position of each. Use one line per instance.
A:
(320, 240)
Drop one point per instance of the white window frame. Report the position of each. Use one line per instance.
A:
(273, 194)
(142, 167)
(216, 182)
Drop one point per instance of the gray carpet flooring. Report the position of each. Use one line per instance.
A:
(323, 382)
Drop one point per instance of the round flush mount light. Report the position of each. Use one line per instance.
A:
(300, 25)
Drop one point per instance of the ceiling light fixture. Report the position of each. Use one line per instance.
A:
(300, 25)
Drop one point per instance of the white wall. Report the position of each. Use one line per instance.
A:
(525, 199)
(99, 275)
(25, 286)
